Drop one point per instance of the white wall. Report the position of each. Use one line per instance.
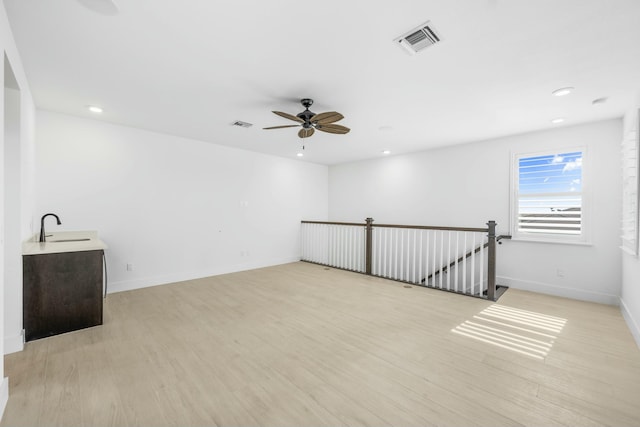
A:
(11, 295)
(22, 217)
(630, 295)
(174, 208)
(4, 390)
(12, 228)
(467, 185)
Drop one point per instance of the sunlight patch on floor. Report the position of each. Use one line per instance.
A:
(521, 331)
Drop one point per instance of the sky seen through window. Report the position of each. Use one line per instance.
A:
(559, 173)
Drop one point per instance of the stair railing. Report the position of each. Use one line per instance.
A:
(454, 259)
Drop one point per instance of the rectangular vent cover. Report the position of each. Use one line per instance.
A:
(242, 124)
(419, 38)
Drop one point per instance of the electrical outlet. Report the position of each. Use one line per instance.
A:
(560, 273)
(129, 267)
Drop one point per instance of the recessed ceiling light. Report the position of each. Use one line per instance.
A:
(562, 91)
(386, 152)
(557, 120)
(94, 109)
(300, 154)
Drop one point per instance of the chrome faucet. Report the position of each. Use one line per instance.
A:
(42, 236)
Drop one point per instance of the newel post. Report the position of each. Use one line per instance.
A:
(368, 245)
(491, 267)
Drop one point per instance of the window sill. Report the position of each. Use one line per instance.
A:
(551, 241)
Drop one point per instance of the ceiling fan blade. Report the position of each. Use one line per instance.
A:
(333, 128)
(289, 116)
(326, 118)
(280, 127)
(305, 132)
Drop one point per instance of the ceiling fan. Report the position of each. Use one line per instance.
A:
(311, 121)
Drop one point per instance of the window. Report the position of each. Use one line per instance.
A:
(548, 202)
(630, 178)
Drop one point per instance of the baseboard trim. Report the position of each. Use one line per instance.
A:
(4, 395)
(545, 288)
(129, 285)
(632, 324)
(14, 343)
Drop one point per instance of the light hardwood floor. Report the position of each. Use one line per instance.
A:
(301, 345)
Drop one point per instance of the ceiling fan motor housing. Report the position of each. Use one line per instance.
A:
(306, 116)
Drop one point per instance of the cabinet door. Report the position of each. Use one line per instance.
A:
(62, 293)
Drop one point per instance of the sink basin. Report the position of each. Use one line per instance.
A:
(63, 241)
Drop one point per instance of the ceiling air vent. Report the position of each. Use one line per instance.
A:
(242, 124)
(419, 38)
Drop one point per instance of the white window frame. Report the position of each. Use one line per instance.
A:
(584, 238)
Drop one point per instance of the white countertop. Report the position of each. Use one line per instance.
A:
(63, 241)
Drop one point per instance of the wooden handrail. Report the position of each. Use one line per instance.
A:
(417, 227)
(359, 224)
(433, 227)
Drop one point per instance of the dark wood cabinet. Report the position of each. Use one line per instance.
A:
(62, 292)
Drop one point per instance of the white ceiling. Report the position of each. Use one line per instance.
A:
(193, 67)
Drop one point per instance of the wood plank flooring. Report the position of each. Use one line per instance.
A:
(301, 345)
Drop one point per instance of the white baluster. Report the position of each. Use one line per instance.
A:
(464, 263)
(449, 260)
(354, 248)
(401, 274)
(426, 258)
(421, 237)
(414, 267)
(473, 263)
(336, 246)
(457, 255)
(434, 256)
(396, 252)
(378, 247)
(481, 284)
(441, 259)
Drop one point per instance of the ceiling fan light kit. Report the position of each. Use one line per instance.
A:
(310, 121)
